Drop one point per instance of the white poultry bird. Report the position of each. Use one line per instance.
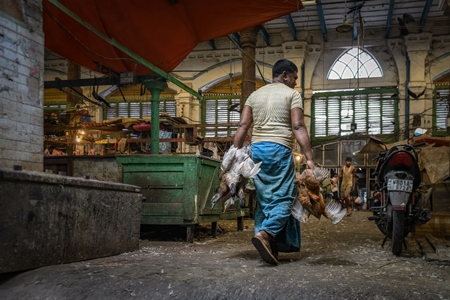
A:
(236, 168)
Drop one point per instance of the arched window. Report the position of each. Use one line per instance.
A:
(355, 63)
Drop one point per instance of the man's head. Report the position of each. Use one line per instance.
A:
(285, 71)
(348, 161)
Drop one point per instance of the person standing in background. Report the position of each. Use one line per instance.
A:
(347, 174)
(335, 186)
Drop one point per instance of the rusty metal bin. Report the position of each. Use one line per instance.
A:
(177, 188)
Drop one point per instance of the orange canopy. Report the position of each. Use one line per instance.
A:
(163, 32)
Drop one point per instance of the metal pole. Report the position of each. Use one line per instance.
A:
(155, 85)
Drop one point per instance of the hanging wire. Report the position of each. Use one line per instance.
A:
(231, 72)
(252, 58)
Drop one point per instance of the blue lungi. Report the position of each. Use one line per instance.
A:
(275, 193)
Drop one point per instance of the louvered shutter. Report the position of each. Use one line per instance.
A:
(135, 110)
(387, 114)
(210, 117)
(320, 124)
(123, 109)
(346, 114)
(168, 106)
(373, 113)
(146, 109)
(222, 117)
(441, 107)
(360, 106)
(333, 116)
(111, 112)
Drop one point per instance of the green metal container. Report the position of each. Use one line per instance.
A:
(177, 188)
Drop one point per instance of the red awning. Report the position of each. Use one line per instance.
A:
(160, 32)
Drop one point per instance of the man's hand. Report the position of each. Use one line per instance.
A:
(310, 164)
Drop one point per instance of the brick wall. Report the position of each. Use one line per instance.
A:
(21, 85)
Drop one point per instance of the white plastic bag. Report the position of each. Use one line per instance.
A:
(358, 200)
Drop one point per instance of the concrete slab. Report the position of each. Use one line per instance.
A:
(48, 219)
(343, 261)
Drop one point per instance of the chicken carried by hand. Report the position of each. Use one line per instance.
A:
(237, 166)
(311, 199)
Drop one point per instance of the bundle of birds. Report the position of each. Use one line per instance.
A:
(236, 168)
(310, 198)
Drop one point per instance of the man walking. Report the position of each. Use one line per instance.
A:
(276, 111)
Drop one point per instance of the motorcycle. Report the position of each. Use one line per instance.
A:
(398, 206)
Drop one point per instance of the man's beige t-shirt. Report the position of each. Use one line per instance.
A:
(271, 107)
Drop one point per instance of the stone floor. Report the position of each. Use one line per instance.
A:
(342, 261)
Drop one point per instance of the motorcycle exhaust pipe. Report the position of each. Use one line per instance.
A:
(422, 217)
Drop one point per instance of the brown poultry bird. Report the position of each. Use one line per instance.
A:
(309, 194)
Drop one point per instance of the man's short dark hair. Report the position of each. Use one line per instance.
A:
(348, 159)
(283, 65)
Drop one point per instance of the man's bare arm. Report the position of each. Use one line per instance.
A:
(301, 135)
(244, 126)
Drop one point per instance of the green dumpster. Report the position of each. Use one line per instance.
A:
(177, 188)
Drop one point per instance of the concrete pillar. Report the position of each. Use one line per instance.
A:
(155, 84)
(418, 46)
(397, 48)
(295, 51)
(248, 42)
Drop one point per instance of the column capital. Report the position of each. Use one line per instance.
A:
(418, 46)
(155, 82)
(249, 37)
(418, 42)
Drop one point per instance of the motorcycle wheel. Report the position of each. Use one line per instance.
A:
(398, 231)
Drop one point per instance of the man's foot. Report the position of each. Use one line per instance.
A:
(273, 248)
(261, 241)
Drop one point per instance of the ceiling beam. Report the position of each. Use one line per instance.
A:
(264, 35)
(389, 18)
(236, 38)
(58, 84)
(424, 16)
(323, 25)
(212, 44)
(291, 25)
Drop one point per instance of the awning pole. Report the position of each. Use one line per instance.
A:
(155, 86)
(126, 50)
